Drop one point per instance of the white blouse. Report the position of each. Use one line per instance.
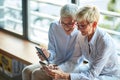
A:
(100, 53)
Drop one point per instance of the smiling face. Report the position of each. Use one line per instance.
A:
(68, 24)
(86, 28)
(67, 17)
(87, 18)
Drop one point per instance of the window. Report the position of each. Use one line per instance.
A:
(12, 16)
(1, 13)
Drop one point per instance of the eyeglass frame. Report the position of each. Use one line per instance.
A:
(67, 25)
(83, 26)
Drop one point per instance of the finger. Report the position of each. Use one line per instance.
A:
(56, 77)
(55, 67)
(51, 66)
(51, 74)
(40, 56)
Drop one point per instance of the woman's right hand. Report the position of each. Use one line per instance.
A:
(45, 53)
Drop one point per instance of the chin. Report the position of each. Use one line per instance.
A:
(83, 34)
(68, 32)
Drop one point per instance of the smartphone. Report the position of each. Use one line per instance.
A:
(42, 63)
(41, 53)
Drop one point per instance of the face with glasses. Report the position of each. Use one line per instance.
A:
(68, 24)
(86, 28)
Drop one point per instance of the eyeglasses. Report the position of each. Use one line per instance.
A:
(67, 25)
(82, 26)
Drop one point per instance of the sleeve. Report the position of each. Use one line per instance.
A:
(103, 52)
(51, 44)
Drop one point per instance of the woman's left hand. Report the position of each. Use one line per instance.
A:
(56, 73)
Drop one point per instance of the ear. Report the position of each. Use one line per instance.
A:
(94, 24)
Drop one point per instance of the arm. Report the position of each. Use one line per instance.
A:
(51, 44)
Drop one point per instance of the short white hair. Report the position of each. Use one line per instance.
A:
(88, 13)
(69, 10)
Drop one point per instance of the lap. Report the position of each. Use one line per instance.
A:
(38, 74)
(30, 68)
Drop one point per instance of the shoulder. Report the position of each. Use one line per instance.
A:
(54, 24)
(55, 27)
(103, 34)
(104, 38)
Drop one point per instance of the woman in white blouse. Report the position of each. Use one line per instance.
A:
(96, 46)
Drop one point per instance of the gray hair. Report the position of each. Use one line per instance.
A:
(69, 10)
(88, 13)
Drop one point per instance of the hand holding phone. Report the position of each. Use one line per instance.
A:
(42, 54)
